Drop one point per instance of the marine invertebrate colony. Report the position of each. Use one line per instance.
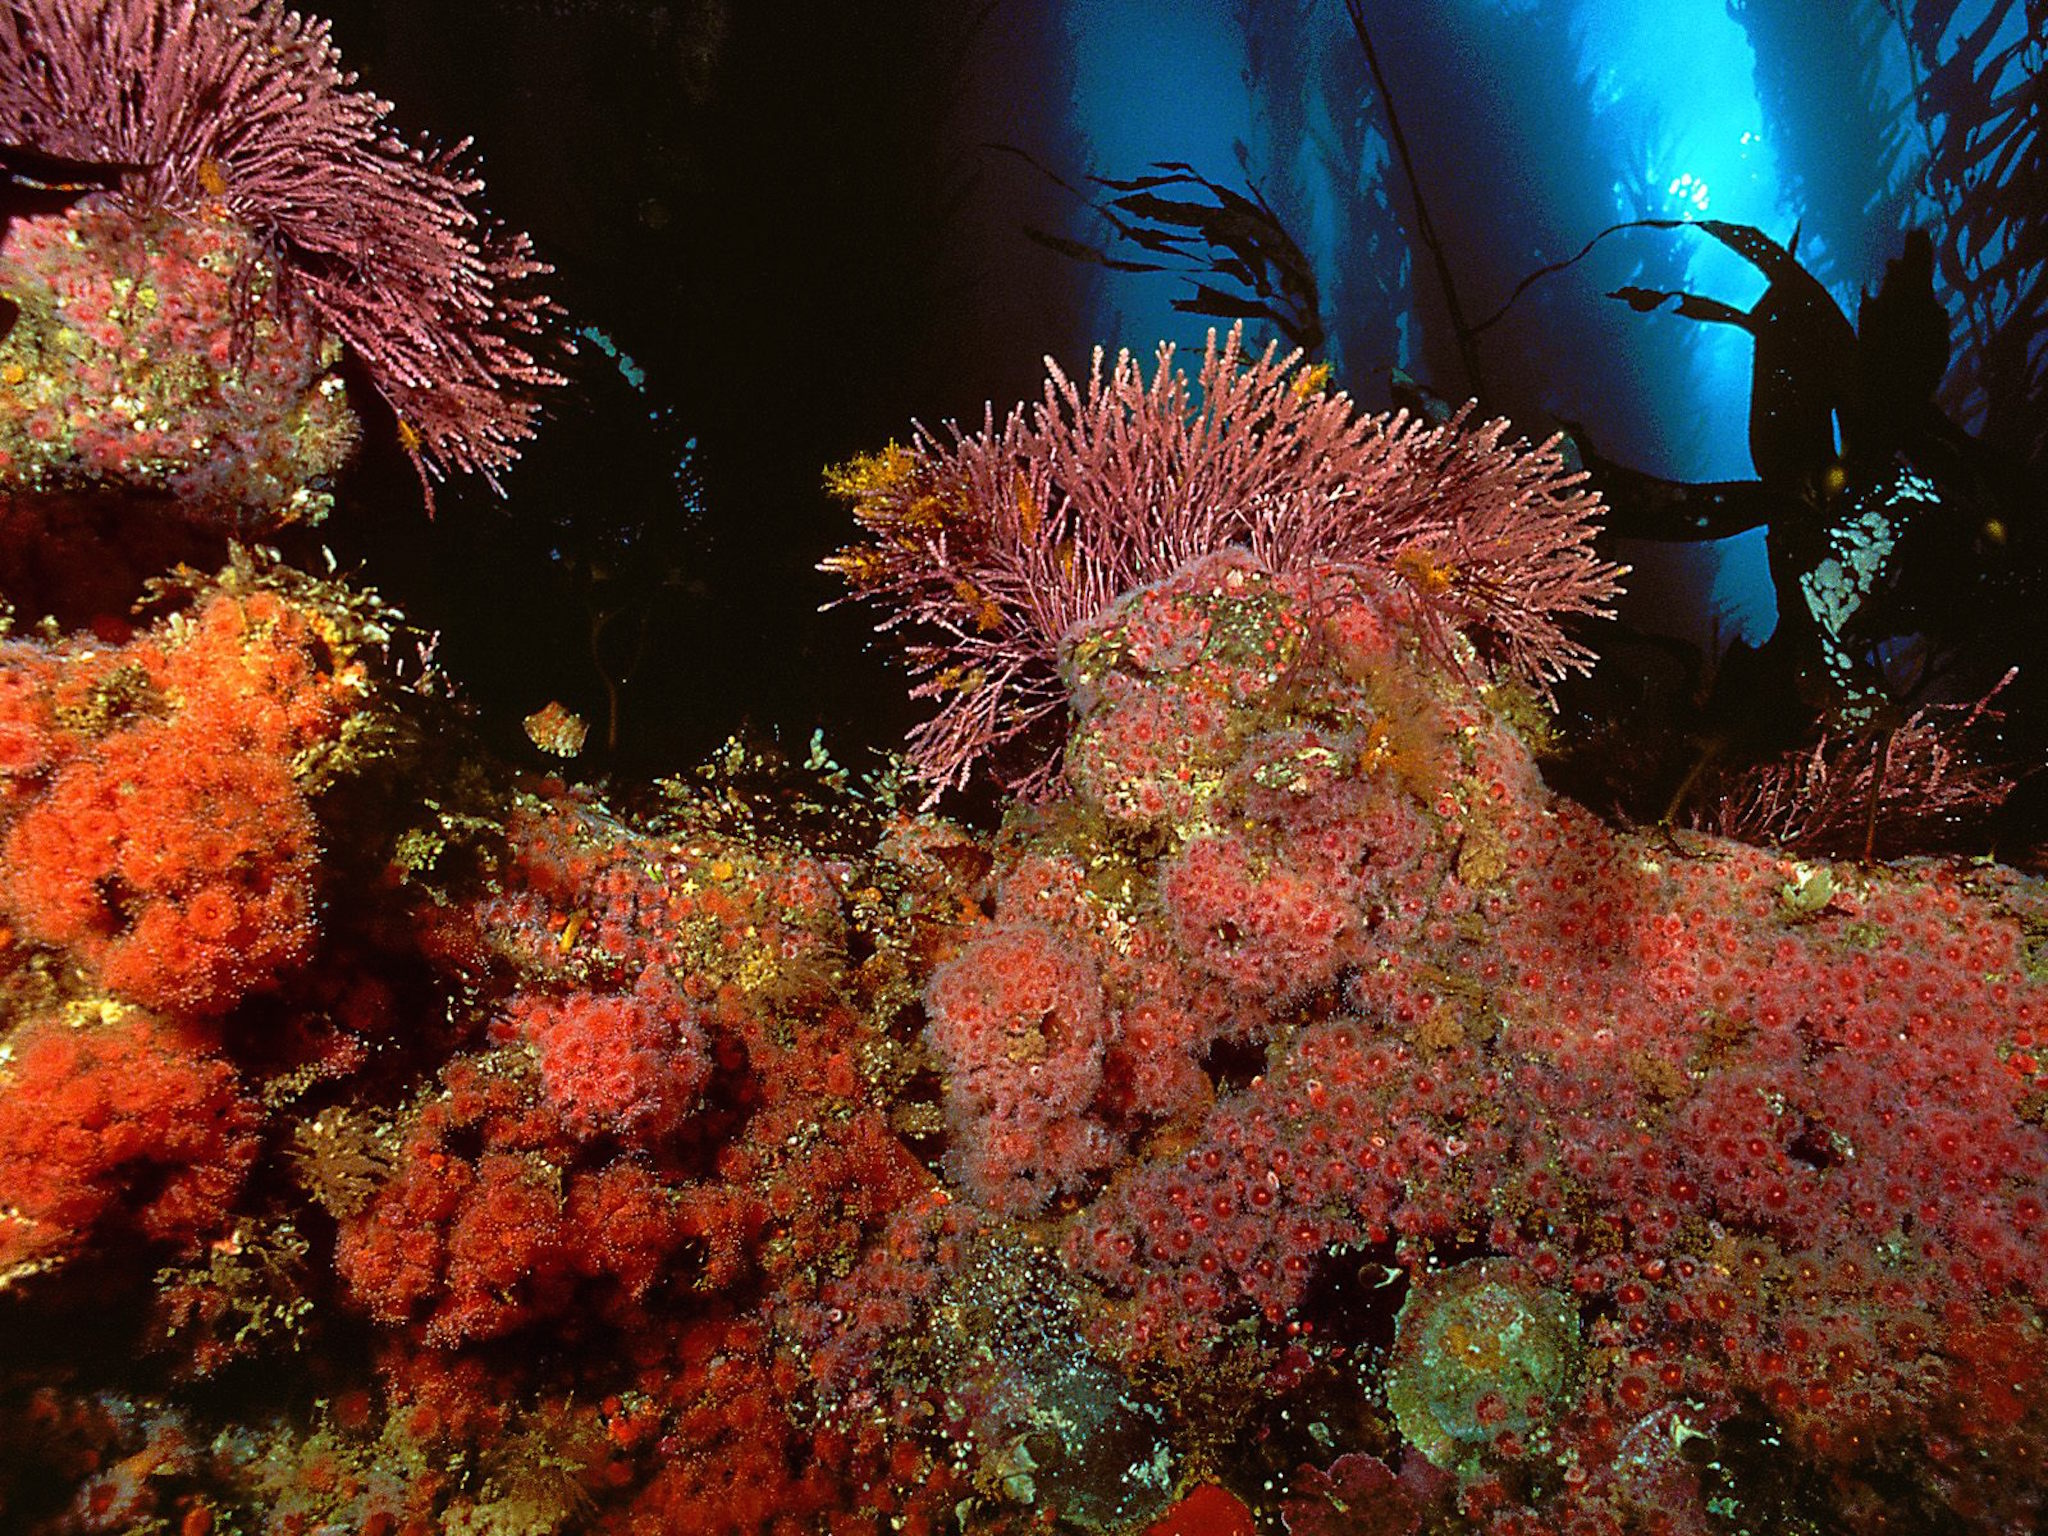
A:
(127, 1119)
(242, 109)
(992, 547)
(247, 427)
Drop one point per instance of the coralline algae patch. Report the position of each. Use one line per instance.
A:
(1481, 1359)
(151, 358)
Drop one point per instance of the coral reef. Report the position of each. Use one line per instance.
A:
(1303, 1114)
(1293, 1116)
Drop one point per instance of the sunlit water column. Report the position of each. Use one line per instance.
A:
(1167, 80)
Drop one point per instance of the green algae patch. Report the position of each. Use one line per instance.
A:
(1483, 1360)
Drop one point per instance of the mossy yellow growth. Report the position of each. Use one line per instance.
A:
(870, 477)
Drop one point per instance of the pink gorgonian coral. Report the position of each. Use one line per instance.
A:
(242, 108)
(995, 545)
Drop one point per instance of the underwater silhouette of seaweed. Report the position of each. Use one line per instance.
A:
(1982, 91)
(1232, 238)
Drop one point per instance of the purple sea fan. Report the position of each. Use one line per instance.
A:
(243, 107)
(994, 546)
